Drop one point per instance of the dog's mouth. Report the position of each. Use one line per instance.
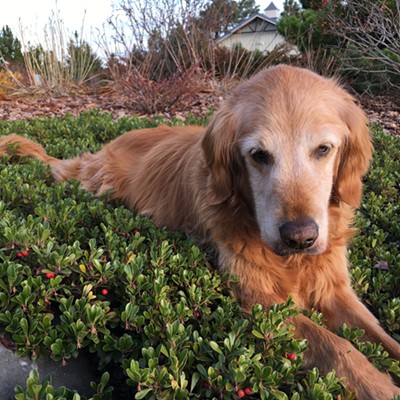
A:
(284, 251)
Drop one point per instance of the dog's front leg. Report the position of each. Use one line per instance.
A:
(345, 307)
(328, 351)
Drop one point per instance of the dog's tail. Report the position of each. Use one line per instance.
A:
(90, 169)
(23, 147)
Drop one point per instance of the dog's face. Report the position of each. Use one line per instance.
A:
(304, 145)
(291, 177)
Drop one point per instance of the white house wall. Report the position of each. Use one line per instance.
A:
(264, 41)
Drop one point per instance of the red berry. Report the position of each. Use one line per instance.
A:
(291, 356)
(22, 254)
(247, 391)
(104, 292)
(50, 275)
(240, 393)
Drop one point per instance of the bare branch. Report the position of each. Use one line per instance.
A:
(370, 31)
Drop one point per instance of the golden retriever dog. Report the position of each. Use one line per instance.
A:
(272, 182)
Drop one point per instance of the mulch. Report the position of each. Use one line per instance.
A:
(30, 107)
(381, 109)
(384, 110)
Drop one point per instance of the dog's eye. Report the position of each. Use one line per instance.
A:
(323, 150)
(261, 156)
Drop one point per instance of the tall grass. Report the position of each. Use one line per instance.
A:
(58, 63)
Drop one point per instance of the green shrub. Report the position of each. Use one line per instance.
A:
(80, 274)
(366, 73)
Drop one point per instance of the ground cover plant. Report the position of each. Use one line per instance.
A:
(80, 275)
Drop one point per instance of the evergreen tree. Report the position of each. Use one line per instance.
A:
(221, 15)
(291, 7)
(244, 9)
(10, 46)
(308, 24)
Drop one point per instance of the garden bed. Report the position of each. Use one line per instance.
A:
(384, 110)
(83, 275)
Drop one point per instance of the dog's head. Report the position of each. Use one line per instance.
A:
(301, 143)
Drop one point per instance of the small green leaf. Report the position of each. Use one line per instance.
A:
(142, 394)
(215, 346)
(195, 379)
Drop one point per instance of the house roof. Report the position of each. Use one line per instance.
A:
(272, 7)
(244, 23)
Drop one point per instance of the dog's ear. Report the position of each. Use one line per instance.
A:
(218, 149)
(355, 154)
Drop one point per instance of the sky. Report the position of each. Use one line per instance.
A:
(32, 16)
(31, 12)
(92, 15)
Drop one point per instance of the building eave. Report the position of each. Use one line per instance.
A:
(243, 24)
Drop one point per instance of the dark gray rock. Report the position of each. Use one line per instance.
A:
(76, 374)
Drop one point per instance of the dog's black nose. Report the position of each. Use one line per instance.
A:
(299, 234)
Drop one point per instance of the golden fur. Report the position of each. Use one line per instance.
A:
(272, 182)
